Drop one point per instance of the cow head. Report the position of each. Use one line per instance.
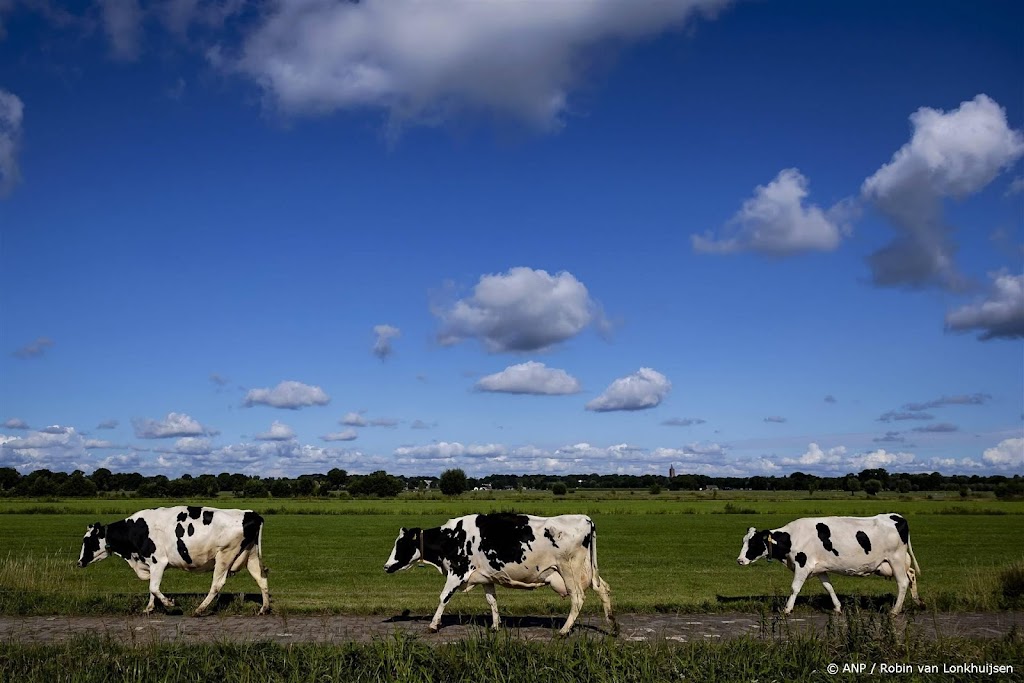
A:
(94, 545)
(407, 550)
(755, 546)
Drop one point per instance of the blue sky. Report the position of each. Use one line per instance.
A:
(745, 238)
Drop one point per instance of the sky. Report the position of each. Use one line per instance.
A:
(740, 238)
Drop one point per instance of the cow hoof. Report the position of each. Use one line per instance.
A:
(264, 610)
(431, 629)
(199, 613)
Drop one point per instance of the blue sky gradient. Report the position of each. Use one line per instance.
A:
(672, 203)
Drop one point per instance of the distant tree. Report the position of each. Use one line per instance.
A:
(872, 487)
(255, 488)
(102, 478)
(852, 484)
(559, 488)
(9, 478)
(378, 483)
(965, 491)
(337, 478)
(280, 488)
(655, 489)
(305, 486)
(453, 482)
(903, 485)
(77, 486)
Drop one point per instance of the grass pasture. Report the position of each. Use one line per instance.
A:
(674, 553)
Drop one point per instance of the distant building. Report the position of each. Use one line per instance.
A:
(671, 471)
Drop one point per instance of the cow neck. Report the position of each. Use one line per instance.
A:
(118, 541)
(430, 546)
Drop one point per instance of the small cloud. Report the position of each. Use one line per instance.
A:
(938, 427)
(683, 421)
(1008, 454)
(289, 395)
(388, 422)
(959, 400)
(11, 113)
(530, 378)
(219, 380)
(108, 424)
(645, 388)
(1016, 186)
(420, 424)
(278, 432)
(1000, 316)
(890, 437)
(34, 349)
(353, 420)
(775, 222)
(830, 398)
(346, 435)
(15, 423)
(898, 415)
(382, 346)
(775, 418)
(519, 311)
(174, 425)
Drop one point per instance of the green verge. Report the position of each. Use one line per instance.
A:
(659, 554)
(862, 641)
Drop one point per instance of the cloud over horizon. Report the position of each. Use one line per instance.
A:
(645, 388)
(289, 395)
(1000, 316)
(530, 377)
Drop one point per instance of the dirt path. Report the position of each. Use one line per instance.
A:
(339, 629)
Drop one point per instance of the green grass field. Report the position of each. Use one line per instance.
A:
(672, 552)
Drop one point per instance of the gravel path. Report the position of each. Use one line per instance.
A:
(164, 628)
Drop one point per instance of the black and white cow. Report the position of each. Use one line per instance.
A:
(854, 546)
(518, 551)
(196, 539)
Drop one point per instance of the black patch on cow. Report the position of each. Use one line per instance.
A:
(588, 537)
(207, 517)
(825, 536)
(179, 531)
(130, 536)
(551, 537)
(405, 547)
(191, 529)
(182, 516)
(864, 541)
(781, 545)
(756, 546)
(194, 511)
(801, 559)
(504, 538)
(452, 542)
(91, 543)
(251, 525)
(902, 527)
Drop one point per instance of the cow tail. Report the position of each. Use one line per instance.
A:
(595, 577)
(910, 550)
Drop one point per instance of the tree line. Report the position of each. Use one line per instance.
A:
(338, 482)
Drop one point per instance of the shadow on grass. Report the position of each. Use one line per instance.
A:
(817, 603)
(484, 621)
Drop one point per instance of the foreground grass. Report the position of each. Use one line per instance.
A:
(859, 639)
(658, 554)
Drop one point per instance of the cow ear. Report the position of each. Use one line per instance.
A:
(403, 530)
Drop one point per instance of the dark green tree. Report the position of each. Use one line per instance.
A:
(453, 482)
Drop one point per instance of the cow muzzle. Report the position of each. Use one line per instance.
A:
(742, 561)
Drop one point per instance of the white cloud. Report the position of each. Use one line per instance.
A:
(122, 20)
(108, 424)
(382, 346)
(816, 457)
(174, 425)
(776, 222)
(951, 154)
(683, 421)
(1008, 454)
(775, 418)
(289, 394)
(880, 459)
(521, 310)
(190, 445)
(530, 378)
(345, 435)
(353, 420)
(646, 388)
(384, 422)
(34, 349)
(278, 432)
(1000, 316)
(11, 115)
(15, 423)
(424, 62)
(443, 450)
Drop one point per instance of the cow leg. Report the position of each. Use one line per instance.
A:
(576, 595)
(831, 592)
(912, 575)
(492, 600)
(605, 591)
(156, 573)
(259, 573)
(220, 576)
(902, 581)
(450, 586)
(798, 583)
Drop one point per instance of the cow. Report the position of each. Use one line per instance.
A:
(196, 539)
(854, 546)
(507, 549)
